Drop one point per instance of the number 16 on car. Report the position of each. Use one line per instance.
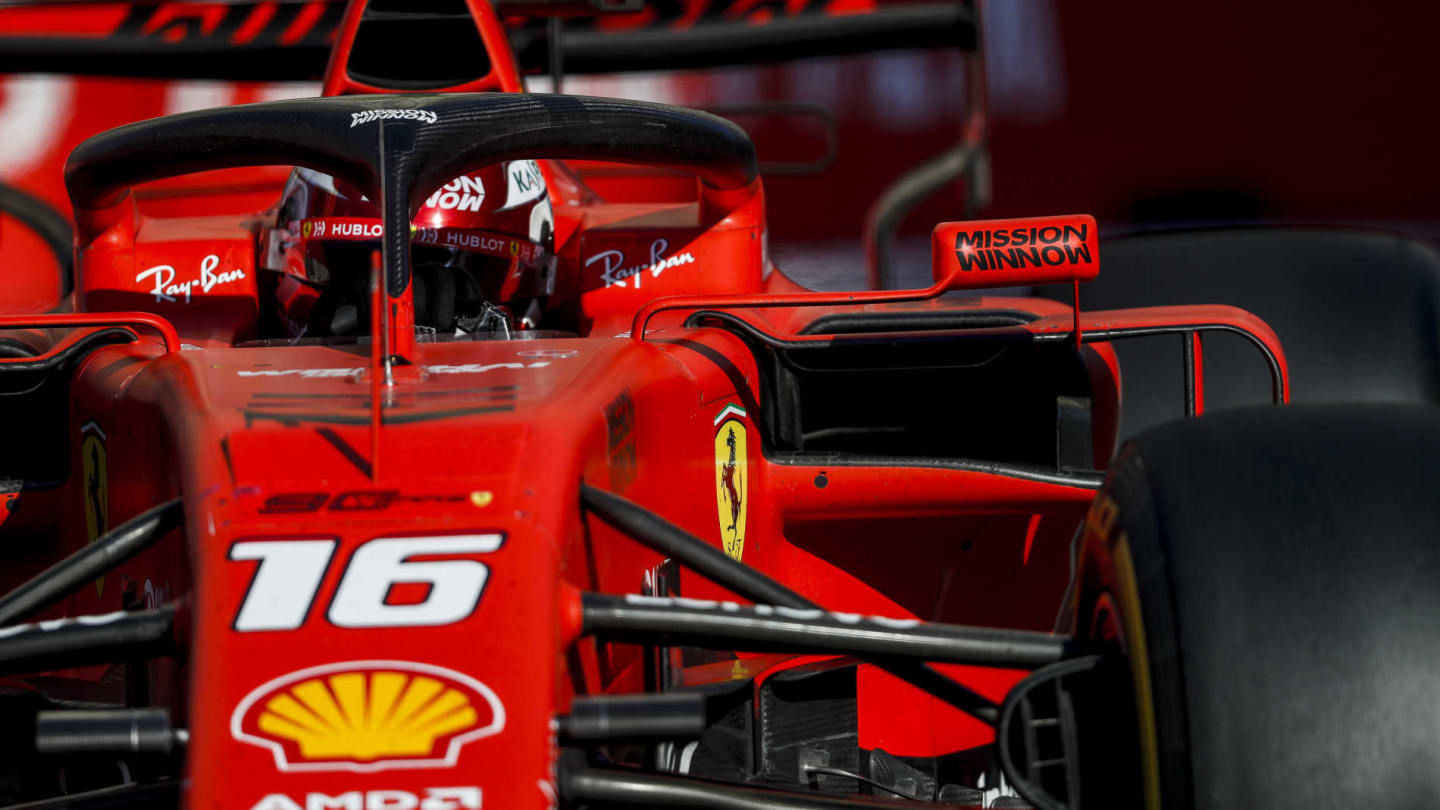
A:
(285, 585)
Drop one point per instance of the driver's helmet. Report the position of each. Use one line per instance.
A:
(482, 253)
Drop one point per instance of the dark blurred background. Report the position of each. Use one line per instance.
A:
(1320, 111)
(1181, 127)
(1154, 114)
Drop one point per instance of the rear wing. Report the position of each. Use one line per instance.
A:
(251, 40)
(291, 41)
(710, 33)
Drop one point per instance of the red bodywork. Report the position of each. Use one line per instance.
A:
(475, 470)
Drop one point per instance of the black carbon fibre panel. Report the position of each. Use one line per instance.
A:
(802, 710)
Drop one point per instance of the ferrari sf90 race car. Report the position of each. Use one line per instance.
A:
(418, 474)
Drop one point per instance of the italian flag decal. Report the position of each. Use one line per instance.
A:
(729, 410)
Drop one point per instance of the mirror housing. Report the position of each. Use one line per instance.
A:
(1015, 252)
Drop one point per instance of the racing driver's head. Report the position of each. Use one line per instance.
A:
(481, 253)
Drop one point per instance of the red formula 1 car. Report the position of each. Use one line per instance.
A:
(424, 477)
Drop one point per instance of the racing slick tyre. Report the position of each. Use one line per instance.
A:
(1274, 578)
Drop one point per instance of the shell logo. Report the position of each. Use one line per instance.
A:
(367, 716)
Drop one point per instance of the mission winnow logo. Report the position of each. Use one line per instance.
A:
(1022, 247)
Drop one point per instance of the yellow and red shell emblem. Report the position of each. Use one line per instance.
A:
(367, 716)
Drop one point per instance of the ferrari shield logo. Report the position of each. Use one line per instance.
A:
(96, 497)
(730, 479)
(97, 494)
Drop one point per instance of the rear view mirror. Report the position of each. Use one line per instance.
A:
(1015, 252)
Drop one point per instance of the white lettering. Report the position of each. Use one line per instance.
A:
(56, 624)
(276, 801)
(897, 624)
(614, 275)
(423, 116)
(801, 614)
(471, 368)
(451, 798)
(312, 373)
(454, 586)
(349, 800)
(469, 185)
(391, 800)
(163, 274)
(208, 277)
(437, 798)
(370, 230)
(610, 260)
(167, 289)
(453, 199)
(475, 241)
